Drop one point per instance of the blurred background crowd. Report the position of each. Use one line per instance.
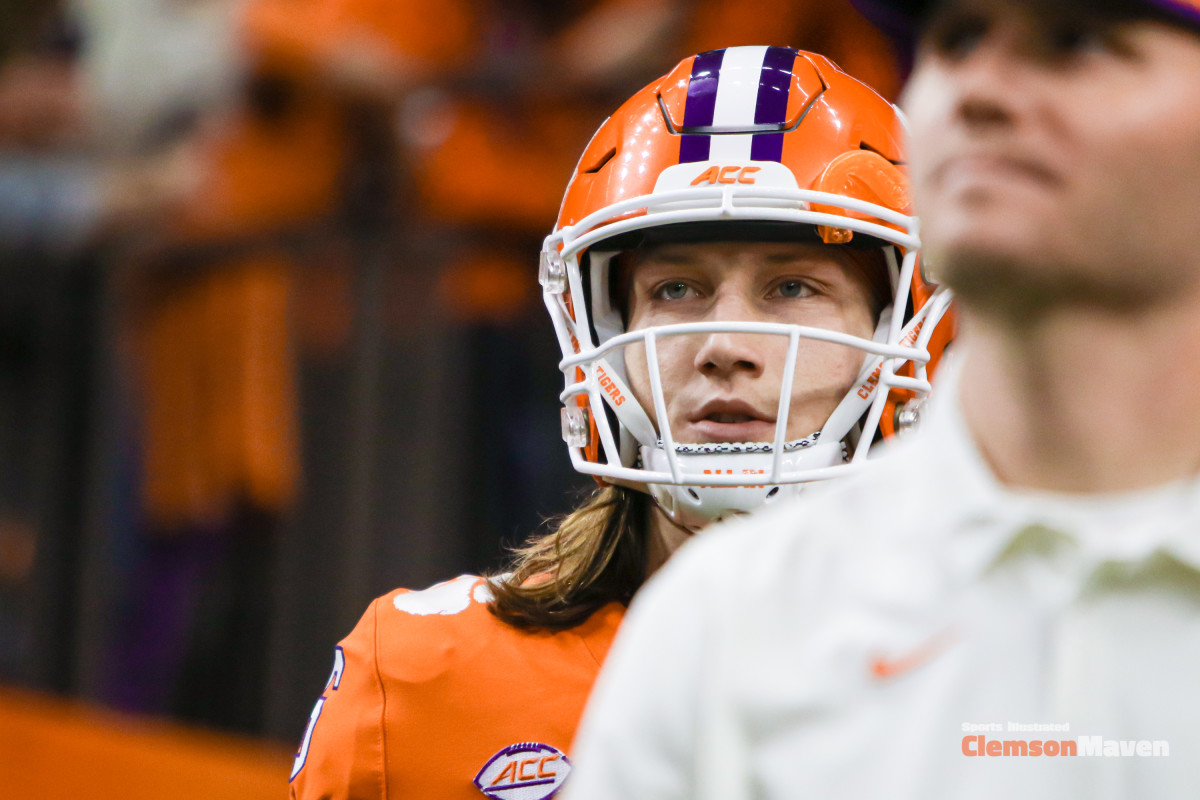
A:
(271, 341)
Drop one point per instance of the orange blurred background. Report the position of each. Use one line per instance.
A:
(271, 340)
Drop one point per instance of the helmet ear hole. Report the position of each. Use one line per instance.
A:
(774, 491)
(692, 494)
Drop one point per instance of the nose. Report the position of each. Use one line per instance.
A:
(990, 84)
(723, 354)
(983, 101)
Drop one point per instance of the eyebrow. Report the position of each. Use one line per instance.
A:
(791, 258)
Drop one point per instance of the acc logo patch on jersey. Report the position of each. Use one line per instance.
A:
(524, 771)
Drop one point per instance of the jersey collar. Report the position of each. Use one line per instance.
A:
(992, 522)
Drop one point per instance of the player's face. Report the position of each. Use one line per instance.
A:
(725, 387)
(1054, 151)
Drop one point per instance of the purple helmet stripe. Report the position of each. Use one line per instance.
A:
(700, 104)
(766, 147)
(702, 89)
(773, 86)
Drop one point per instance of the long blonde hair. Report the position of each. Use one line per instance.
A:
(594, 556)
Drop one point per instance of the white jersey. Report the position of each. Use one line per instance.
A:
(916, 631)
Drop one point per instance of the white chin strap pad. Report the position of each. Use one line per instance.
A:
(697, 505)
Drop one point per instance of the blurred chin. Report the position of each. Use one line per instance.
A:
(1020, 276)
(1018, 254)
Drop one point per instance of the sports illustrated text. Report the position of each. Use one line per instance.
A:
(978, 744)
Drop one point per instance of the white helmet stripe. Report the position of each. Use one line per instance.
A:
(737, 100)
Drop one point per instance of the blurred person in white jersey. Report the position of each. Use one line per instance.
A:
(1008, 605)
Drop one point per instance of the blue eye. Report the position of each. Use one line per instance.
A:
(675, 290)
(794, 289)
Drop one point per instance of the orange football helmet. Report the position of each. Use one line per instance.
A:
(744, 143)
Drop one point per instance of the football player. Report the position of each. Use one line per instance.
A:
(1006, 606)
(734, 282)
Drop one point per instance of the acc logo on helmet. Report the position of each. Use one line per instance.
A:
(728, 174)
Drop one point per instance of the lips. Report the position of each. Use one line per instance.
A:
(732, 410)
(729, 420)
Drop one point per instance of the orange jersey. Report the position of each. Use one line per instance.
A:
(432, 696)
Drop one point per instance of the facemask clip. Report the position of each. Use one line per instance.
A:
(552, 272)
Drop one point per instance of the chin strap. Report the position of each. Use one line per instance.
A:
(695, 506)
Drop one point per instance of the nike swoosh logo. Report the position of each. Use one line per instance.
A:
(885, 667)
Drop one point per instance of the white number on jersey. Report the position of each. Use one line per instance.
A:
(335, 680)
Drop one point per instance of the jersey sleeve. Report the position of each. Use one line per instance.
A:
(342, 754)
